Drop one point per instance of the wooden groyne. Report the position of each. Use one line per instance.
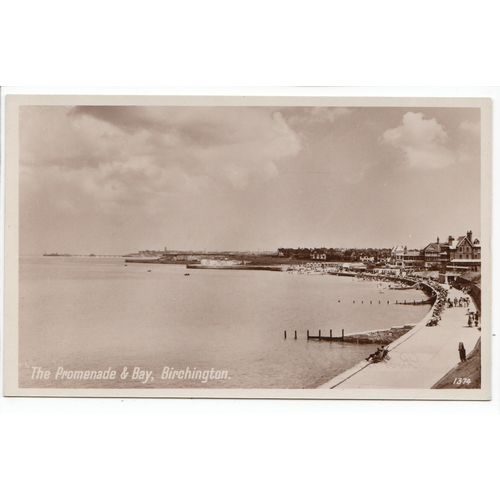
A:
(421, 302)
(380, 336)
(309, 336)
(329, 337)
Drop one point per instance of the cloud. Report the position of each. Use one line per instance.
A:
(328, 114)
(130, 155)
(470, 127)
(424, 142)
(310, 116)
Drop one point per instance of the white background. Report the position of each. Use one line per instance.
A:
(252, 449)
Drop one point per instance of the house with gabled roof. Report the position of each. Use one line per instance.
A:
(465, 253)
(462, 254)
(402, 256)
(436, 254)
(397, 253)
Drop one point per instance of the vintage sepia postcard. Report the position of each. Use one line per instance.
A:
(250, 247)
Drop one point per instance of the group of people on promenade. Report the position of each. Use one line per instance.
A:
(381, 354)
(459, 302)
(442, 301)
(442, 294)
(472, 318)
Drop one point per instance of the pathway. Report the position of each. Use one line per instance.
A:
(419, 358)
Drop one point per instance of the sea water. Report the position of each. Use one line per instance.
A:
(98, 313)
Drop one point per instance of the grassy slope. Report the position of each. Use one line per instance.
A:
(471, 369)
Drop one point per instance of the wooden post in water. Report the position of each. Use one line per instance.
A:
(285, 334)
(295, 337)
(307, 334)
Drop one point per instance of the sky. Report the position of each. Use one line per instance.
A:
(116, 179)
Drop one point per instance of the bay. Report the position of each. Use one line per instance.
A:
(95, 313)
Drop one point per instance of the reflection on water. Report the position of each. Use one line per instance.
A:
(95, 313)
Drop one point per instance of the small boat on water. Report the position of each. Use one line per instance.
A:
(187, 274)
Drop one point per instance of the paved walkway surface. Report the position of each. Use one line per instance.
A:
(418, 359)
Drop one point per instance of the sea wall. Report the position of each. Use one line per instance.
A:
(426, 287)
(342, 377)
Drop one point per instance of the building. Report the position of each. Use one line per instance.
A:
(436, 254)
(462, 254)
(366, 259)
(413, 258)
(465, 253)
(185, 257)
(318, 255)
(397, 253)
(402, 257)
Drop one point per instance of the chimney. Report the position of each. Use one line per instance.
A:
(450, 240)
(469, 235)
(437, 241)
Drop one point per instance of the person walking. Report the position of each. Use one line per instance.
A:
(461, 352)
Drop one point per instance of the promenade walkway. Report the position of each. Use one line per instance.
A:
(419, 358)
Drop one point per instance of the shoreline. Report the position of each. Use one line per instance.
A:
(419, 358)
(347, 374)
(380, 336)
